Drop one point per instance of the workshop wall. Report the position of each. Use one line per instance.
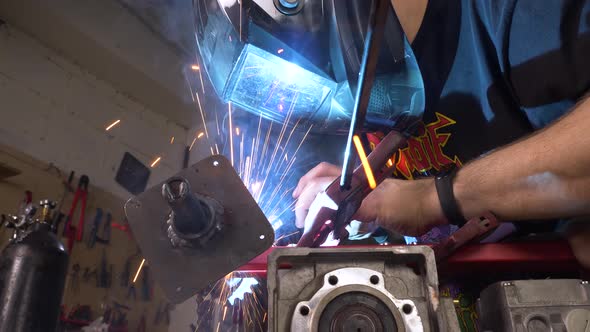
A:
(45, 182)
(57, 112)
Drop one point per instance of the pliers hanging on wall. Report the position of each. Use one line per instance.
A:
(71, 232)
(93, 237)
(95, 225)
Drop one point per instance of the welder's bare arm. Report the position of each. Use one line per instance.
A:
(546, 175)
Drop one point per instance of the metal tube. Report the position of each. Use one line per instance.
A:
(190, 215)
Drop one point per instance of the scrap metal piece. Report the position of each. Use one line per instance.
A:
(379, 289)
(535, 305)
(182, 262)
(194, 218)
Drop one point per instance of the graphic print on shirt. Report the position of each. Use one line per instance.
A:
(424, 154)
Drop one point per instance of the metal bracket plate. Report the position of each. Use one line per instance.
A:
(245, 233)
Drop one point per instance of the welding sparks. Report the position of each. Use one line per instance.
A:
(268, 162)
(109, 127)
(195, 67)
(234, 303)
(264, 159)
(138, 270)
(192, 144)
(155, 162)
(256, 187)
(365, 162)
(202, 114)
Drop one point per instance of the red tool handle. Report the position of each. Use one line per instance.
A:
(68, 225)
(80, 228)
(350, 200)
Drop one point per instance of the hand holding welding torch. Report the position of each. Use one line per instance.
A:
(407, 207)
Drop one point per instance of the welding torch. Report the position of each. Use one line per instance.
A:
(345, 195)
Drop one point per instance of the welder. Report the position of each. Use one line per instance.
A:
(493, 93)
(506, 104)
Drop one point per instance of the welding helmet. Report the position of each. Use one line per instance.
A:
(298, 61)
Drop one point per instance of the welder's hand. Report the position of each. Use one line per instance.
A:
(407, 207)
(309, 186)
(309, 202)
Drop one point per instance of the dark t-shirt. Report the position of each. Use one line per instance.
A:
(494, 71)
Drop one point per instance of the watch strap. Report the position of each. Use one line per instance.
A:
(446, 197)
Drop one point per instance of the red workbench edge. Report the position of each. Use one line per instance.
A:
(553, 256)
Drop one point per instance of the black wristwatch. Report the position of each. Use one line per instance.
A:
(446, 196)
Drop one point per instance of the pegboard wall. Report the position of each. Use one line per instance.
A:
(45, 183)
(57, 112)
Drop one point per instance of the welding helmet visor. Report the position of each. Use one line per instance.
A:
(298, 61)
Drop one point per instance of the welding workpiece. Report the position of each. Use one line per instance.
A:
(194, 218)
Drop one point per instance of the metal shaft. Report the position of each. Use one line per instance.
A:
(191, 215)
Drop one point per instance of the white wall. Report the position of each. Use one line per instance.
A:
(110, 41)
(56, 112)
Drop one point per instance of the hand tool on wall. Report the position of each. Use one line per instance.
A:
(67, 184)
(3, 223)
(125, 274)
(104, 273)
(167, 308)
(75, 278)
(71, 232)
(106, 230)
(80, 313)
(131, 293)
(95, 226)
(89, 274)
(58, 218)
(141, 327)
(146, 284)
(119, 315)
(163, 313)
(124, 227)
(158, 315)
